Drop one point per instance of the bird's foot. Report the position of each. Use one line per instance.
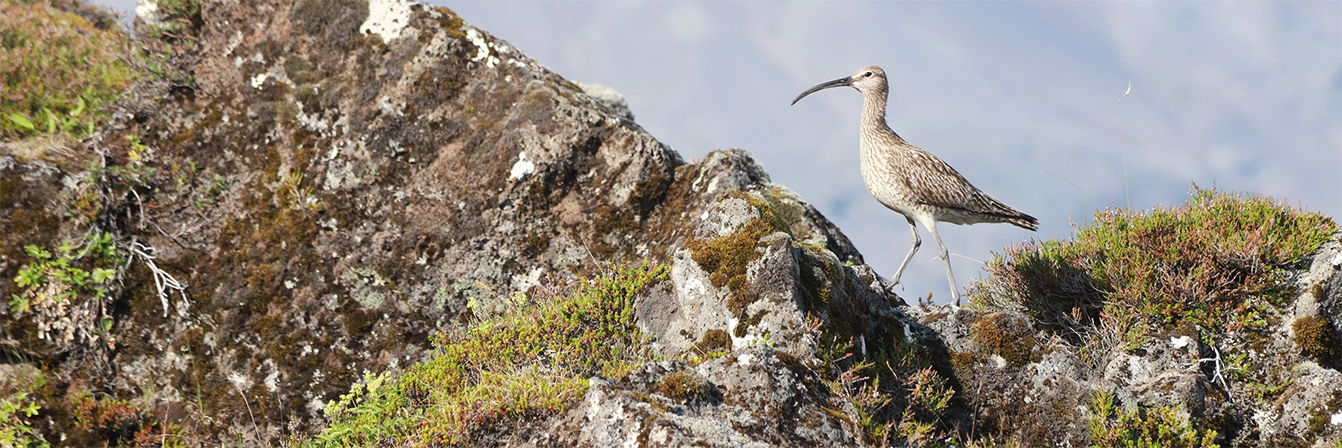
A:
(893, 284)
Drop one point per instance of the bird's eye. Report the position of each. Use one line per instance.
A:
(867, 74)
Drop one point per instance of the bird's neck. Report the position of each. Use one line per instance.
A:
(873, 115)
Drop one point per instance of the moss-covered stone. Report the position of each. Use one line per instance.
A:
(713, 341)
(683, 386)
(1315, 336)
(1001, 334)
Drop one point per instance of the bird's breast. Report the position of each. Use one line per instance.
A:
(884, 179)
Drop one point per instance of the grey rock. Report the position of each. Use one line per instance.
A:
(608, 97)
(753, 397)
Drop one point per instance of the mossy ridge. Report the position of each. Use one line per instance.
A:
(1217, 261)
(526, 364)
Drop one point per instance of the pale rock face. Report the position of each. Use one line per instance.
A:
(147, 12)
(386, 18)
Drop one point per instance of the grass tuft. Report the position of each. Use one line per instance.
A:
(526, 364)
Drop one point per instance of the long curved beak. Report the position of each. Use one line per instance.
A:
(844, 81)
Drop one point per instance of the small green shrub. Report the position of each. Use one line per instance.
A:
(54, 289)
(60, 278)
(524, 364)
(121, 423)
(899, 398)
(1142, 428)
(1218, 262)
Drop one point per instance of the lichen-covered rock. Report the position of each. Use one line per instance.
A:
(755, 397)
(340, 180)
(740, 276)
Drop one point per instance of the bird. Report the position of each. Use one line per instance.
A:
(912, 181)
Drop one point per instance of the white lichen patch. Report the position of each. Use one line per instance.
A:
(239, 380)
(259, 80)
(147, 11)
(522, 168)
(482, 48)
(1180, 342)
(233, 45)
(386, 18)
(389, 106)
(272, 380)
(525, 281)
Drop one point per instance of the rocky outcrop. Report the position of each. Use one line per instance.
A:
(337, 181)
(1037, 386)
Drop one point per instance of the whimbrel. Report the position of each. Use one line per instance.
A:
(913, 182)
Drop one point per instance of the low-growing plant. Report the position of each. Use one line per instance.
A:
(1217, 262)
(1161, 427)
(60, 278)
(58, 70)
(526, 363)
(898, 396)
(17, 407)
(121, 423)
(1314, 335)
(49, 283)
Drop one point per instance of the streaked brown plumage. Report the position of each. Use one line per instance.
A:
(913, 182)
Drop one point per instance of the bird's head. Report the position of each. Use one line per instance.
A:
(869, 79)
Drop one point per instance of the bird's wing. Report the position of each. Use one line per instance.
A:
(935, 183)
(931, 181)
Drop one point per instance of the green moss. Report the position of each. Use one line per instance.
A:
(530, 362)
(769, 206)
(450, 22)
(1002, 335)
(830, 292)
(1314, 335)
(963, 364)
(726, 259)
(1320, 416)
(683, 386)
(713, 341)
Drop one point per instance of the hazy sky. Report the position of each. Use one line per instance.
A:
(1021, 97)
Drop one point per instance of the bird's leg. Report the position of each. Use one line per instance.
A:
(916, 242)
(945, 258)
